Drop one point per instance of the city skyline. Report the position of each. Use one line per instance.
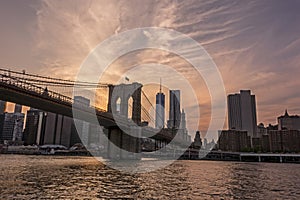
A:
(240, 105)
(242, 125)
(250, 53)
(10, 108)
(50, 128)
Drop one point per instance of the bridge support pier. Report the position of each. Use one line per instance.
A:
(124, 146)
(115, 139)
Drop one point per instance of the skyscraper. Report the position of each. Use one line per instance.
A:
(160, 109)
(34, 126)
(242, 112)
(81, 101)
(2, 106)
(174, 110)
(48, 128)
(56, 129)
(183, 120)
(18, 108)
(11, 126)
(197, 140)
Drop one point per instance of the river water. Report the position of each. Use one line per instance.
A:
(58, 177)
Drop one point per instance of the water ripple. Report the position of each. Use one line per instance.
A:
(43, 177)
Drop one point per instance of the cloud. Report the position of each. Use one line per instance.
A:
(255, 44)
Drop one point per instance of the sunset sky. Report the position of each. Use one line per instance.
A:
(255, 44)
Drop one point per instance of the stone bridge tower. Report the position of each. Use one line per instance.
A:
(121, 94)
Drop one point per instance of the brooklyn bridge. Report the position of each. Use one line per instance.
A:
(119, 109)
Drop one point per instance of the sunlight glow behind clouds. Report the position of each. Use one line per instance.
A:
(255, 44)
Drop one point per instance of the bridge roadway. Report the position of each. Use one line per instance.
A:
(34, 96)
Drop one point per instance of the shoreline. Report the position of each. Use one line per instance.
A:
(250, 157)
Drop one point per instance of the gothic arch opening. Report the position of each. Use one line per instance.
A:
(130, 107)
(118, 105)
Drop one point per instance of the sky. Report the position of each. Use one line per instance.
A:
(254, 44)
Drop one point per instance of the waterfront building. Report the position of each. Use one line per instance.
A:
(188, 138)
(81, 101)
(33, 126)
(284, 141)
(256, 144)
(75, 138)
(197, 141)
(2, 106)
(18, 108)
(56, 129)
(183, 120)
(272, 127)
(242, 112)
(47, 128)
(182, 130)
(234, 140)
(265, 143)
(174, 109)
(11, 127)
(261, 130)
(160, 110)
(95, 135)
(288, 122)
(205, 143)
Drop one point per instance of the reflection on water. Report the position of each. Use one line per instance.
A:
(39, 177)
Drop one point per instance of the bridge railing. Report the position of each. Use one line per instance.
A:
(17, 82)
(13, 81)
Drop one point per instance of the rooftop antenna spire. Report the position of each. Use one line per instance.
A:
(159, 85)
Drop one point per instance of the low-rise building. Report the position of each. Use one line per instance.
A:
(288, 122)
(284, 141)
(234, 140)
